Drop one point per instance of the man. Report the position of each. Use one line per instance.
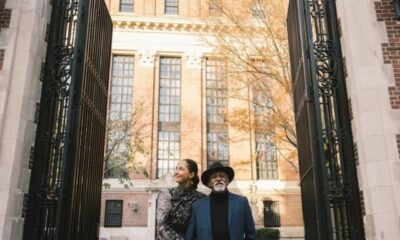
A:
(222, 215)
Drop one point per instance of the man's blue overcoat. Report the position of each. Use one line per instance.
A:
(240, 219)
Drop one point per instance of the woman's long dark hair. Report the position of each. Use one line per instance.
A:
(192, 166)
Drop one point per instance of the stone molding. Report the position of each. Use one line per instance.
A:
(193, 60)
(162, 26)
(147, 58)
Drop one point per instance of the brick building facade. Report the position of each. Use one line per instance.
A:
(149, 37)
(369, 38)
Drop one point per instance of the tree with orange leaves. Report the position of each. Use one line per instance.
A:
(252, 36)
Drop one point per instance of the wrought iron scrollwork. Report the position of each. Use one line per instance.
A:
(71, 124)
(337, 168)
(331, 203)
(71, 8)
(326, 66)
(46, 176)
(339, 193)
(317, 9)
(61, 72)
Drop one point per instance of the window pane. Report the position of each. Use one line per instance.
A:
(257, 11)
(216, 91)
(120, 111)
(113, 213)
(217, 147)
(126, 6)
(267, 165)
(169, 105)
(271, 214)
(121, 86)
(168, 152)
(171, 6)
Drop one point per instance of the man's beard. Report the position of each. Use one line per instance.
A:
(219, 187)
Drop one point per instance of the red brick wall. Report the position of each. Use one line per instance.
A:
(290, 209)
(5, 17)
(129, 217)
(385, 12)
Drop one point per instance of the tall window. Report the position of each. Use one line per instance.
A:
(121, 88)
(170, 85)
(262, 105)
(266, 157)
(216, 91)
(168, 152)
(217, 147)
(267, 166)
(271, 214)
(216, 105)
(113, 213)
(169, 115)
(126, 6)
(120, 116)
(171, 7)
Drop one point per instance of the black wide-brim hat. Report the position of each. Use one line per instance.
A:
(216, 167)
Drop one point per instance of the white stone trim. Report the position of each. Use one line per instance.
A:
(147, 58)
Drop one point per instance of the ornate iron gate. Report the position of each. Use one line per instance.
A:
(329, 186)
(65, 187)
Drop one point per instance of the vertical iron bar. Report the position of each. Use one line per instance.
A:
(65, 187)
(322, 202)
(43, 192)
(350, 188)
(334, 184)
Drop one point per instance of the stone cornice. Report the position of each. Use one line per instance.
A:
(162, 24)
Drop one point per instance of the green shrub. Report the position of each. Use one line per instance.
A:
(267, 234)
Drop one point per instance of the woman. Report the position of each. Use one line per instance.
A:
(174, 205)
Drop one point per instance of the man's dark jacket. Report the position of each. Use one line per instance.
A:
(240, 219)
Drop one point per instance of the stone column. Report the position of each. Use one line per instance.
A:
(191, 107)
(151, 219)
